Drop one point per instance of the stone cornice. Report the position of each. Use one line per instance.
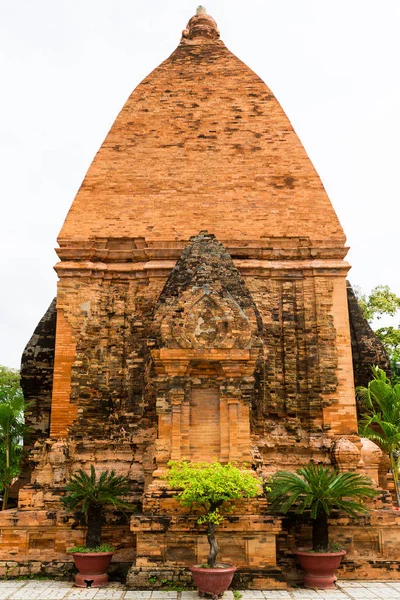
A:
(114, 250)
(138, 258)
(161, 268)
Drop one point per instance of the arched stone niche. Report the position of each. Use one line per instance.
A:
(204, 352)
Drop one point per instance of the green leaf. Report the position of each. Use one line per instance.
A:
(12, 428)
(380, 421)
(84, 490)
(318, 488)
(210, 486)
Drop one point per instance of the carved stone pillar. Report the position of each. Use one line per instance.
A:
(224, 425)
(185, 429)
(233, 406)
(176, 406)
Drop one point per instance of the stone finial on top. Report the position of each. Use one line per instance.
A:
(371, 457)
(201, 28)
(345, 455)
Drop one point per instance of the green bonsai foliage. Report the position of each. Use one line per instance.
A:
(92, 495)
(319, 489)
(381, 418)
(210, 486)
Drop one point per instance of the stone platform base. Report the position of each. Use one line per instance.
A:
(156, 578)
(10, 569)
(373, 569)
(35, 542)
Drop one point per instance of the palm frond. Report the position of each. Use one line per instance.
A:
(381, 421)
(319, 488)
(84, 490)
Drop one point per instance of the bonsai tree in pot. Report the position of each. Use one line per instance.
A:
(211, 487)
(91, 495)
(318, 490)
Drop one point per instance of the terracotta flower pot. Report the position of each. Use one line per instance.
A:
(92, 567)
(213, 581)
(319, 567)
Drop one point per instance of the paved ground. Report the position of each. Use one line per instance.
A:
(60, 590)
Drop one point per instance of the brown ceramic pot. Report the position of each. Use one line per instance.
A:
(213, 581)
(319, 567)
(92, 567)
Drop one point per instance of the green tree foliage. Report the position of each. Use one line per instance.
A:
(12, 429)
(390, 338)
(91, 495)
(383, 302)
(318, 490)
(381, 419)
(211, 486)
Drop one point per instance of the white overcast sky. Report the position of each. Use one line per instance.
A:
(68, 66)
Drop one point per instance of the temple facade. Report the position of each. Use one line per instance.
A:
(201, 313)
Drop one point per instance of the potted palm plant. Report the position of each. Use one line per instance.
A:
(91, 495)
(317, 490)
(211, 487)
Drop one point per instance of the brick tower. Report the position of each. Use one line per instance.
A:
(201, 314)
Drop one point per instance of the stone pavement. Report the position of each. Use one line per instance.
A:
(64, 590)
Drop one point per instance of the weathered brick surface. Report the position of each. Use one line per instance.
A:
(371, 543)
(206, 343)
(37, 366)
(367, 349)
(63, 412)
(37, 542)
(201, 143)
(247, 321)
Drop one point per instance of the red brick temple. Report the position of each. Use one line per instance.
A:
(201, 313)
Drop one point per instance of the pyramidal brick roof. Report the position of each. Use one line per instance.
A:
(202, 143)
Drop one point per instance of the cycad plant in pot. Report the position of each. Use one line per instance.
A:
(211, 487)
(317, 490)
(92, 495)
